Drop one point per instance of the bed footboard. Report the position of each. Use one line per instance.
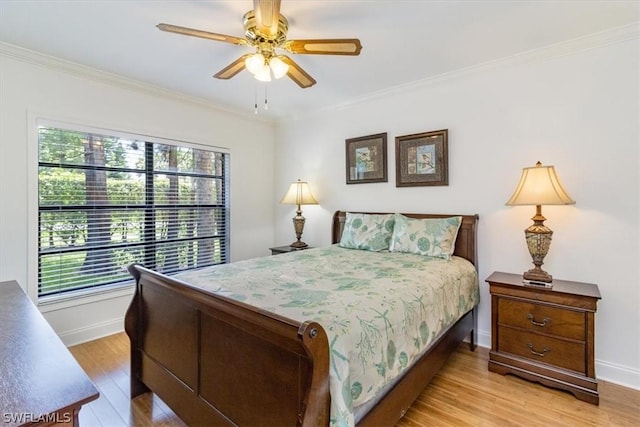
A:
(216, 361)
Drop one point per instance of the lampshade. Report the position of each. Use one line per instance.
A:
(299, 194)
(278, 67)
(539, 185)
(264, 75)
(255, 63)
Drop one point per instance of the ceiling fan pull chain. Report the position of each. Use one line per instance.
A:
(255, 100)
(266, 105)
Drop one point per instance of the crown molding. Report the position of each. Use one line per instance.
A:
(569, 47)
(21, 54)
(543, 54)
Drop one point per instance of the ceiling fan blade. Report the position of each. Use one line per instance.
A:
(202, 34)
(267, 13)
(232, 69)
(297, 74)
(325, 46)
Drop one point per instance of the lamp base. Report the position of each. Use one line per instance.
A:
(298, 225)
(537, 275)
(538, 238)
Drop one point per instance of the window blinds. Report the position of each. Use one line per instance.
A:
(108, 201)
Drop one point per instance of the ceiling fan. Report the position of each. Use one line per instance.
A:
(266, 30)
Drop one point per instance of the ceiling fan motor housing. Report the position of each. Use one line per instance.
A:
(265, 43)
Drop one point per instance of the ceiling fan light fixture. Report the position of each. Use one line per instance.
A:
(264, 75)
(255, 64)
(278, 67)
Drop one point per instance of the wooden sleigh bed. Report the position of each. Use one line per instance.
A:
(218, 361)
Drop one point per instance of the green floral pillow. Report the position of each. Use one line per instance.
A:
(434, 237)
(367, 231)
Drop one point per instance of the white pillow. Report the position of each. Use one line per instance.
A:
(434, 237)
(371, 232)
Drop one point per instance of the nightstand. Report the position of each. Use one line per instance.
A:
(284, 249)
(545, 334)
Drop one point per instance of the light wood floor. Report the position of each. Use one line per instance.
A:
(463, 393)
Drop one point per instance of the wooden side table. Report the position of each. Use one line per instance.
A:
(41, 383)
(284, 249)
(545, 334)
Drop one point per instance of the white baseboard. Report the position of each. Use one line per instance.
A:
(92, 332)
(618, 374)
(484, 339)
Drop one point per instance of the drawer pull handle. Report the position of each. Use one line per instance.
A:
(545, 321)
(545, 350)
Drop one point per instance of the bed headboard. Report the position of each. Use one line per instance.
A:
(466, 242)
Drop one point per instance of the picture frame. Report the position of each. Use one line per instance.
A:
(366, 159)
(422, 159)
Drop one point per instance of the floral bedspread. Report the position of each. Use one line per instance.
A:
(380, 309)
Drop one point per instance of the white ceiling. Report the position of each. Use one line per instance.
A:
(403, 41)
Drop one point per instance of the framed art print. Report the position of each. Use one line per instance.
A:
(422, 159)
(366, 159)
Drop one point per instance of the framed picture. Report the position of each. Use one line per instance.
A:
(422, 159)
(367, 159)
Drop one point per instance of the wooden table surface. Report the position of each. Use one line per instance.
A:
(38, 375)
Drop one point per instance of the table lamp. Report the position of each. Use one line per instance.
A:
(299, 194)
(539, 185)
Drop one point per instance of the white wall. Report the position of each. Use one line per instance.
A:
(575, 110)
(32, 85)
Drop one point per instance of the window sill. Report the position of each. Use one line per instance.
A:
(84, 296)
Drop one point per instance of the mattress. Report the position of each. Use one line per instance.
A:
(380, 310)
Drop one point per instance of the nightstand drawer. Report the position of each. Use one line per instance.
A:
(542, 318)
(544, 349)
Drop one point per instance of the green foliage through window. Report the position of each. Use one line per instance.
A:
(106, 202)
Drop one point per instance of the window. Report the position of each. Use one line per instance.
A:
(108, 200)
